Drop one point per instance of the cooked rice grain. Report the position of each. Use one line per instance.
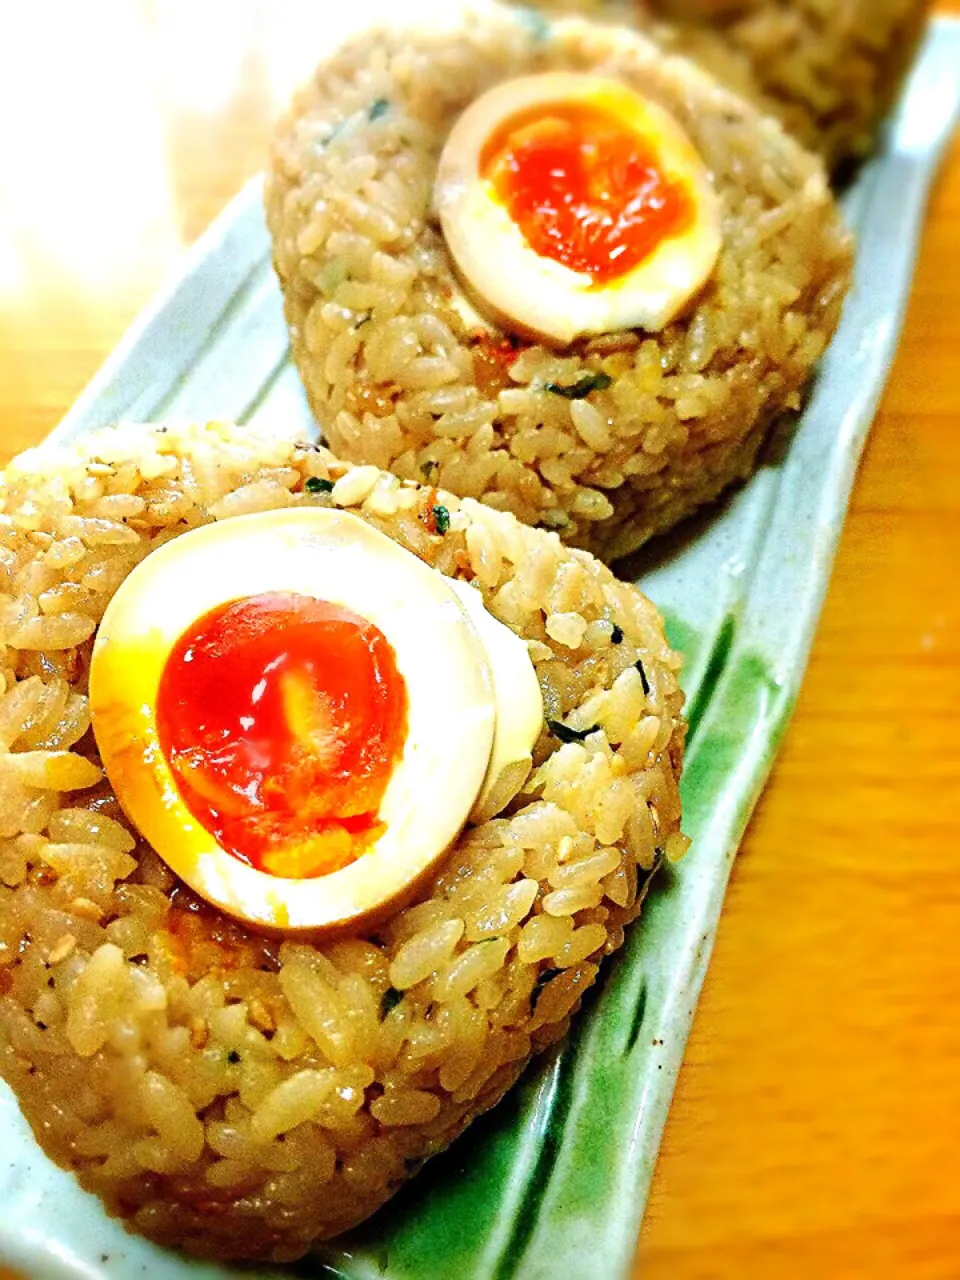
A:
(242, 1096)
(398, 373)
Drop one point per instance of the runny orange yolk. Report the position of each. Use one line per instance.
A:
(584, 188)
(282, 718)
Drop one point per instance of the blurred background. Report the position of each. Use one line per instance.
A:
(816, 1128)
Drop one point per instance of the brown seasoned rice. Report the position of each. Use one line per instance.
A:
(828, 72)
(399, 377)
(242, 1096)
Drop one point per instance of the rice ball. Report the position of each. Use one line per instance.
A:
(240, 1095)
(614, 437)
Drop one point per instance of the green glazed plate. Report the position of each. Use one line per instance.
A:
(553, 1182)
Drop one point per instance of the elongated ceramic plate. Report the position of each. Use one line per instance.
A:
(553, 1182)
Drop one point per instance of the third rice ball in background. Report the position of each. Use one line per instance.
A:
(828, 72)
(607, 408)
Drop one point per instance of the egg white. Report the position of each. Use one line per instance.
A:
(517, 698)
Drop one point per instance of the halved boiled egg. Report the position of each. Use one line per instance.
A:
(517, 701)
(300, 715)
(573, 205)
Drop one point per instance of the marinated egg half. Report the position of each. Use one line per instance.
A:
(300, 715)
(572, 205)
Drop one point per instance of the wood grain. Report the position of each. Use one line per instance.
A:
(816, 1126)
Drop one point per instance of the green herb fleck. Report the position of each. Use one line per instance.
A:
(336, 131)
(378, 109)
(332, 277)
(543, 977)
(315, 484)
(391, 998)
(536, 23)
(566, 734)
(643, 676)
(233, 1057)
(616, 635)
(580, 389)
(441, 518)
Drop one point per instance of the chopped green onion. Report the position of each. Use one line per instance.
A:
(332, 277)
(337, 130)
(378, 109)
(441, 518)
(391, 998)
(316, 484)
(580, 389)
(543, 977)
(566, 734)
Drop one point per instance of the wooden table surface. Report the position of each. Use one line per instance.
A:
(816, 1126)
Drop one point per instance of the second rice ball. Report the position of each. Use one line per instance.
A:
(609, 437)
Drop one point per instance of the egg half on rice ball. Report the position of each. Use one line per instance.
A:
(546, 266)
(375, 779)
